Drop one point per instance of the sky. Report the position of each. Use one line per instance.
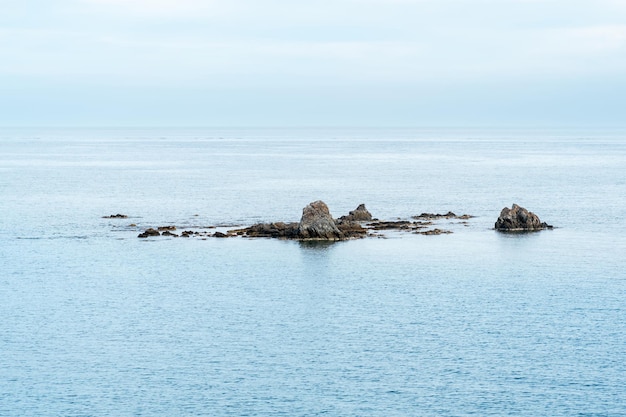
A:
(313, 63)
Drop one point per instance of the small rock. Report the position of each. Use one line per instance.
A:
(360, 214)
(116, 216)
(149, 232)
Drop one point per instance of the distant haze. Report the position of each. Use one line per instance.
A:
(313, 63)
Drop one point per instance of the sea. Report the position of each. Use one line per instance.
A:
(95, 321)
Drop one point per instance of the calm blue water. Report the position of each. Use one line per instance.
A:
(95, 322)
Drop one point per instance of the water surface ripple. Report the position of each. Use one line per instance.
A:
(96, 322)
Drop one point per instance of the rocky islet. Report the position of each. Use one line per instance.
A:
(317, 224)
(518, 219)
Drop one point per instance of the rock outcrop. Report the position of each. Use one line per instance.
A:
(518, 219)
(317, 223)
(360, 214)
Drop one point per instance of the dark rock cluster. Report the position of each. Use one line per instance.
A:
(115, 216)
(317, 224)
(448, 215)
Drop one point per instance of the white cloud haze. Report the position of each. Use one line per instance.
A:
(306, 53)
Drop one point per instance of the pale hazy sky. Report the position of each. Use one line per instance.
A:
(313, 63)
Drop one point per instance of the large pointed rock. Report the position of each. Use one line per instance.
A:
(518, 219)
(318, 224)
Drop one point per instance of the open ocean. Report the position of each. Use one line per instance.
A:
(96, 322)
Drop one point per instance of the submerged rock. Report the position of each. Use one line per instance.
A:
(149, 232)
(116, 216)
(433, 216)
(352, 230)
(435, 232)
(437, 216)
(518, 219)
(317, 223)
(277, 230)
(397, 225)
(167, 228)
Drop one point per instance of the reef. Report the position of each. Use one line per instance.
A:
(317, 224)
